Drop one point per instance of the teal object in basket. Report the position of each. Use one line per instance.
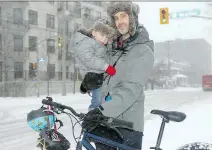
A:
(38, 119)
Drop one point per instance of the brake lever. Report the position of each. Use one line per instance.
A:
(58, 110)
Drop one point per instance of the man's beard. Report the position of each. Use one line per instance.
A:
(123, 30)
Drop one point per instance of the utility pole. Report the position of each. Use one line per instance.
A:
(61, 23)
(37, 70)
(48, 74)
(74, 74)
(64, 59)
(169, 63)
(3, 71)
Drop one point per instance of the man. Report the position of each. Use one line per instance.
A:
(133, 55)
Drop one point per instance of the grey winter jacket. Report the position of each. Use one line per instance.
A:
(90, 55)
(126, 86)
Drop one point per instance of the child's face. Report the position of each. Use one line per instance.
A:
(100, 37)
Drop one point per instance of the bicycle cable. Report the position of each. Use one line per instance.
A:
(73, 126)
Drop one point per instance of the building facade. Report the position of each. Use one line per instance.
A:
(31, 57)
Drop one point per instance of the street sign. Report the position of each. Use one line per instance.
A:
(184, 14)
(41, 59)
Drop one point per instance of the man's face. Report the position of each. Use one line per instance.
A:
(122, 22)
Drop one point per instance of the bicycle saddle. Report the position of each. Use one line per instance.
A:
(170, 115)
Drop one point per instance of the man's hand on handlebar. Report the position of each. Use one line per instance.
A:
(93, 119)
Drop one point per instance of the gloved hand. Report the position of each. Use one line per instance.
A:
(83, 90)
(92, 119)
(110, 70)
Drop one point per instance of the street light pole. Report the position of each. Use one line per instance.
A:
(169, 63)
(48, 66)
(37, 70)
(64, 45)
(74, 74)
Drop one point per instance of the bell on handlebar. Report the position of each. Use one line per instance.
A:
(49, 98)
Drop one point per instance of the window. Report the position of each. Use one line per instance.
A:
(50, 45)
(51, 2)
(18, 42)
(59, 56)
(76, 27)
(67, 6)
(33, 17)
(18, 70)
(1, 71)
(77, 8)
(50, 21)
(68, 54)
(98, 3)
(32, 70)
(67, 48)
(51, 71)
(60, 30)
(66, 28)
(1, 42)
(98, 15)
(67, 72)
(32, 43)
(87, 13)
(0, 17)
(17, 16)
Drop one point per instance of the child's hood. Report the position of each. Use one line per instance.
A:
(82, 34)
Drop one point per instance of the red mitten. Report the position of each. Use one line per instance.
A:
(111, 70)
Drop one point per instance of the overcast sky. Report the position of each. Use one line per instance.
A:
(188, 28)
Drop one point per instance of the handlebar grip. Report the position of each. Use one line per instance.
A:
(47, 102)
(58, 105)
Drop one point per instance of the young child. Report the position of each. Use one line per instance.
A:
(91, 55)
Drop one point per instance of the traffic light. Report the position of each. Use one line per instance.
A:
(34, 66)
(59, 41)
(164, 15)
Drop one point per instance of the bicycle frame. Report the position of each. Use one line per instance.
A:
(84, 142)
(88, 146)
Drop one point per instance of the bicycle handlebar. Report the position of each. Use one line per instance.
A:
(81, 115)
(58, 105)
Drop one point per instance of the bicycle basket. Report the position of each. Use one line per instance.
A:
(38, 119)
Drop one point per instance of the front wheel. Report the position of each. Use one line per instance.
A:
(196, 146)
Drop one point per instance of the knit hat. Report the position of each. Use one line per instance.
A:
(103, 26)
(130, 8)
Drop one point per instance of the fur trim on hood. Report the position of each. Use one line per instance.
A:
(102, 26)
(132, 10)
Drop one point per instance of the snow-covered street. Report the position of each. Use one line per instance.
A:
(15, 134)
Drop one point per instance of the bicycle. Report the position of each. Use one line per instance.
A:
(86, 137)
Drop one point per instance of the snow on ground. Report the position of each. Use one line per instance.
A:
(23, 101)
(15, 134)
(186, 89)
(197, 127)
